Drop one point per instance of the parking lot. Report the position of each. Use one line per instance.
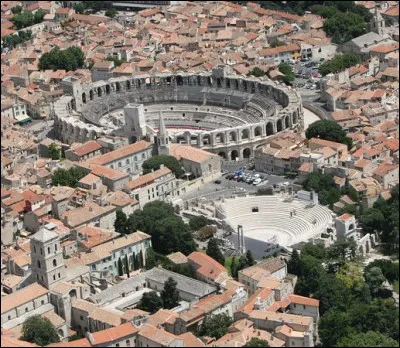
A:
(222, 187)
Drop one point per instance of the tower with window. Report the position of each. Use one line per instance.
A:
(162, 137)
(47, 258)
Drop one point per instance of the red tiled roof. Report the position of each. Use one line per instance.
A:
(89, 147)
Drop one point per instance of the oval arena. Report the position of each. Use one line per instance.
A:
(217, 111)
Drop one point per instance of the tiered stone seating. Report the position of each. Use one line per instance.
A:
(275, 215)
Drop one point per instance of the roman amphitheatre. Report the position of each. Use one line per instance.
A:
(218, 111)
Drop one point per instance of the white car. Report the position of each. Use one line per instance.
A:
(257, 181)
(286, 183)
(257, 176)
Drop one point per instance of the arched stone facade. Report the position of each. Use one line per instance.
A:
(218, 111)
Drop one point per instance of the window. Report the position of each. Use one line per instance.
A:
(81, 317)
(128, 343)
(54, 263)
(48, 249)
(135, 158)
(34, 249)
(55, 247)
(119, 164)
(54, 277)
(42, 302)
(59, 275)
(143, 155)
(127, 161)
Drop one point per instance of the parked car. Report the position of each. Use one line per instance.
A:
(257, 181)
(322, 59)
(217, 182)
(286, 183)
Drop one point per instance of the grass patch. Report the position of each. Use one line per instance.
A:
(396, 286)
(228, 262)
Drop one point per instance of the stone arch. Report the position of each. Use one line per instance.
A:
(228, 83)
(209, 80)
(61, 332)
(72, 294)
(180, 139)
(193, 139)
(236, 84)
(234, 155)
(99, 91)
(133, 139)
(199, 81)
(270, 128)
(128, 84)
(220, 138)
(287, 122)
(108, 89)
(54, 262)
(179, 80)
(222, 154)
(351, 227)
(206, 139)
(84, 98)
(245, 134)
(232, 136)
(253, 87)
(118, 87)
(219, 83)
(279, 125)
(244, 84)
(294, 117)
(246, 152)
(91, 94)
(258, 131)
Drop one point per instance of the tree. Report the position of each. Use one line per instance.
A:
(151, 260)
(250, 258)
(389, 269)
(121, 222)
(197, 222)
(338, 63)
(234, 267)
(206, 232)
(117, 62)
(16, 9)
(23, 20)
(215, 325)
(150, 302)
(79, 7)
(39, 330)
(214, 251)
(314, 250)
(38, 16)
(351, 274)
(169, 233)
(67, 177)
(294, 264)
(374, 278)
(287, 70)
(170, 162)
(111, 12)
(328, 130)
(372, 220)
(256, 342)
(71, 58)
(136, 263)
(333, 326)
(367, 339)
(120, 269)
(170, 295)
(54, 151)
(277, 43)
(349, 24)
(257, 72)
(342, 249)
(126, 266)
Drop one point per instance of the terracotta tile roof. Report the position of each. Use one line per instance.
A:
(191, 340)
(178, 258)
(345, 217)
(83, 342)
(304, 300)
(147, 179)
(87, 213)
(89, 179)
(112, 174)
(83, 305)
(7, 341)
(88, 147)
(209, 268)
(22, 296)
(154, 334)
(119, 153)
(385, 168)
(113, 334)
(248, 306)
(105, 316)
(189, 153)
(393, 11)
(280, 49)
(322, 142)
(162, 317)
